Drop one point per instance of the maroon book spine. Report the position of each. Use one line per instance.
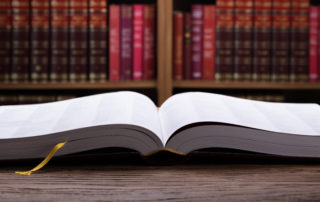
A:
(98, 40)
(262, 40)
(20, 40)
(225, 40)
(60, 20)
(178, 46)
(114, 41)
(78, 40)
(149, 42)
(126, 42)
(300, 40)
(5, 39)
(39, 40)
(187, 65)
(197, 41)
(314, 63)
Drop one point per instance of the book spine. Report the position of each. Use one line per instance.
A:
(209, 33)
(314, 43)
(187, 63)
(78, 40)
(149, 42)
(5, 39)
(60, 20)
(40, 40)
(178, 46)
(243, 40)
(97, 40)
(20, 40)
(224, 40)
(197, 41)
(138, 13)
(262, 40)
(299, 40)
(126, 42)
(281, 40)
(114, 40)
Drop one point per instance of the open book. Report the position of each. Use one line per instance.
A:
(184, 123)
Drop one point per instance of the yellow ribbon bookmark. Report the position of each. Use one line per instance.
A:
(45, 161)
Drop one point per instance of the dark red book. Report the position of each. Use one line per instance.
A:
(138, 45)
(262, 38)
(78, 40)
(197, 41)
(5, 39)
(149, 42)
(178, 46)
(300, 41)
(225, 40)
(60, 19)
(98, 40)
(187, 65)
(281, 40)
(126, 42)
(243, 40)
(209, 41)
(114, 41)
(40, 40)
(314, 40)
(20, 40)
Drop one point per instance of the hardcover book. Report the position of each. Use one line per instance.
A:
(149, 42)
(187, 65)
(197, 41)
(5, 39)
(314, 40)
(138, 45)
(114, 41)
(184, 123)
(178, 45)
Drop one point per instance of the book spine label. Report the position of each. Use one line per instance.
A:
(262, 40)
(209, 39)
(225, 40)
(243, 40)
(299, 41)
(178, 46)
(187, 63)
(314, 43)
(114, 40)
(97, 40)
(39, 40)
(126, 42)
(138, 13)
(281, 40)
(60, 20)
(20, 40)
(78, 40)
(5, 39)
(149, 42)
(197, 41)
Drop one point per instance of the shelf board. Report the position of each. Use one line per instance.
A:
(107, 85)
(247, 85)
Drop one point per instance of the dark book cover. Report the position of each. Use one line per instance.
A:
(138, 45)
(197, 41)
(225, 40)
(5, 39)
(20, 40)
(178, 46)
(149, 42)
(281, 29)
(39, 40)
(187, 64)
(126, 42)
(300, 40)
(59, 61)
(243, 40)
(262, 38)
(314, 40)
(78, 40)
(114, 41)
(98, 40)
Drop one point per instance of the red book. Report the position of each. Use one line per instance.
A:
(178, 46)
(314, 40)
(138, 13)
(187, 65)
(209, 39)
(197, 41)
(5, 39)
(149, 42)
(114, 41)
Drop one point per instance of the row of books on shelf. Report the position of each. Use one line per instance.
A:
(76, 40)
(259, 40)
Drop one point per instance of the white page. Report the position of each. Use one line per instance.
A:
(110, 108)
(187, 108)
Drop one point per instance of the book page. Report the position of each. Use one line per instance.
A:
(104, 109)
(187, 108)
